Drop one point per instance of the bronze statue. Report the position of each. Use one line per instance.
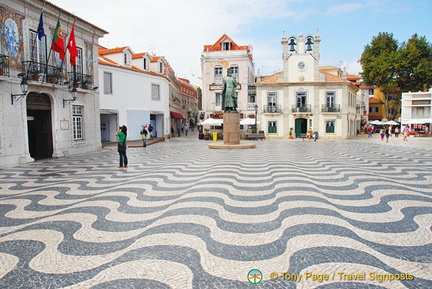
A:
(229, 95)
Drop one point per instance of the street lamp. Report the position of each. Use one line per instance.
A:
(24, 89)
(256, 116)
(74, 97)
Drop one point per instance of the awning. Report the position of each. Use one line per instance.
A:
(176, 115)
(417, 121)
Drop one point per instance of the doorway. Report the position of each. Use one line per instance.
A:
(300, 127)
(39, 126)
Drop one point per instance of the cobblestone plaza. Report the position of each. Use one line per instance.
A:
(287, 214)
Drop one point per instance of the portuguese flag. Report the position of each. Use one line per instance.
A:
(58, 43)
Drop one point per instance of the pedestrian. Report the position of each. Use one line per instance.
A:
(382, 134)
(387, 133)
(178, 129)
(186, 127)
(172, 130)
(144, 134)
(405, 133)
(150, 130)
(182, 127)
(121, 134)
(396, 131)
(370, 129)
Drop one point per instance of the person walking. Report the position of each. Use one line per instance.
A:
(178, 129)
(121, 134)
(370, 130)
(387, 133)
(382, 134)
(150, 130)
(396, 131)
(405, 133)
(144, 134)
(186, 127)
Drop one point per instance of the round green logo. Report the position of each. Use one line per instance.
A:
(254, 276)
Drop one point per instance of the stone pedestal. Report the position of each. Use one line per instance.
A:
(231, 134)
(231, 128)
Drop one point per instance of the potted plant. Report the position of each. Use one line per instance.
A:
(291, 133)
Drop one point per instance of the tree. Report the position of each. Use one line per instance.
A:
(415, 64)
(379, 61)
(395, 68)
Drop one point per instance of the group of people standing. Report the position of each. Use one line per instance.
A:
(386, 132)
(184, 127)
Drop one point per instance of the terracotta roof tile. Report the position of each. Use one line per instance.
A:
(374, 100)
(105, 51)
(217, 46)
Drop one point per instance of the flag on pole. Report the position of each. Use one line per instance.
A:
(58, 43)
(41, 30)
(71, 46)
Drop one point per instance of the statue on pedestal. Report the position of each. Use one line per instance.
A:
(229, 95)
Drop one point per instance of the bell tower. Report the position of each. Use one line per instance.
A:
(300, 57)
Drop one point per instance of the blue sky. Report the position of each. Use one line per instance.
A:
(178, 30)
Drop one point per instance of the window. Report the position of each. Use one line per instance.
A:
(37, 51)
(218, 99)
(271, 101)
(218, 75)
(272, 127)
(226, 46)
(301, 99)
(127, 59)
(373, 109)
(79, 61)
(330, 126)
(145, 63)
(160, 67)
(330, 98)
(108, 83)
(77, 112)
(155, 92)
(234, 72)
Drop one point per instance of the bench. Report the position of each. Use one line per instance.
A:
(256, 136)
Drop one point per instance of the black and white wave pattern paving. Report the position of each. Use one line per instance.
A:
(185, 216)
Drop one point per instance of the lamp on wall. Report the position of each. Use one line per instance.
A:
(24, 89)
(74, 97)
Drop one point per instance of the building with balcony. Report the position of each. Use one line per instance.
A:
(215, 61)
(49, 109)
(416, 109)
(305, 95)
(139, 89)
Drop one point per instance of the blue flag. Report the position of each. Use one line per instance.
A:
(41, 30)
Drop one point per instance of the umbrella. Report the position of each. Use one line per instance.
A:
(376, 122)
(212, 121)
(391, 122)
(248, 121)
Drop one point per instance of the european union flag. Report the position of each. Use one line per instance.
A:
(40, 30)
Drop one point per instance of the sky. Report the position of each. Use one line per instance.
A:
(178, 30)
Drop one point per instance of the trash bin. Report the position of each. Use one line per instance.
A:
(214, 135)
(316, 134)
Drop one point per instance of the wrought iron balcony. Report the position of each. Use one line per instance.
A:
(81, 80)
(4, 65)
(300, 109)
(330, 108)
(45, 73)
(272, 109)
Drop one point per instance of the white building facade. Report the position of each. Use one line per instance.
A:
(140, 89)
(46, 121)
(416, 108)
(305, 96)
(216, 59)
